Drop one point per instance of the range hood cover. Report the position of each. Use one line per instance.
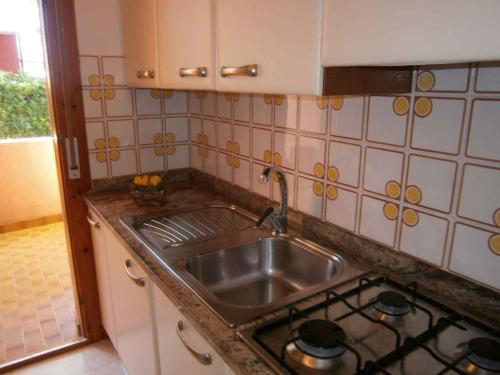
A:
(363, 80)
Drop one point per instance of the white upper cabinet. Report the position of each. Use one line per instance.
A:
(395, 32)
(186, 40)
(141, 43)
(282, 37)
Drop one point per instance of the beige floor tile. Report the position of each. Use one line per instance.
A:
(71, 363)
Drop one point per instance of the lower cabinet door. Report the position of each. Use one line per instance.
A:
(131, 292)
(182, 350)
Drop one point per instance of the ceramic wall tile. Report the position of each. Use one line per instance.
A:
(177, 156)
(121, 133)
(224, 136)
(383, 172)
(98, 164)
(209, 103)
(259, 187)
(439, 129)
(210, 162)
(176, 129)
(224, 105)
(285, 150)
(443, 78)
(241, 140)
(148, 102)
(285, 111)
(261, 141)
(194, 100)
(89, 71)
(113, 70)
(241, 106)
(483, 182)
(175, 102)
(313, 114)
(196, 157)
(344, 163)
(149, 131)
(475, 254)
(151, 159)
(484, 131)
(225, 162)
(341, 206)
(346, 118)
(262, 109)
(123, 162)
(290, 181)
(96, 137)
(92, 103)
(118, 102)
(312, 156)
(196, 129)
(388, 119)
(378, 220)
(242, 173)
(430, 182)
(210, 132)
(488, 77)
(417, 225)
(310, 196)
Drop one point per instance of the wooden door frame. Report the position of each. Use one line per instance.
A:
(64, 93)
(66, 106)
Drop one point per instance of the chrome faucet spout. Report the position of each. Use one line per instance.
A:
(279, 221)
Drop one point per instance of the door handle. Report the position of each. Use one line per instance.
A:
(138, 280)
(200, 71)
(92, 222)
(203, 358)
(250, 70)
(141, 74)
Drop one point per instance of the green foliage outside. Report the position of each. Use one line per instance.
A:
(23, 106)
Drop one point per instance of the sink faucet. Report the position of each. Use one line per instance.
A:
(278, 220)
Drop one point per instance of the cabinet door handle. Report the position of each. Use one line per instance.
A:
(138, 280)
(203, 358)
(92, 222)
(200, 71)
(245, 70)
(141, 74)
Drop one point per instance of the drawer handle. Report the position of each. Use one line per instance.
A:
(203, 358)
(193, 72)
(245, 70)
(141, 74)
(138, 280)
(92, 222)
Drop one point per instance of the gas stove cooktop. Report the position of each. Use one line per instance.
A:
(376, 326)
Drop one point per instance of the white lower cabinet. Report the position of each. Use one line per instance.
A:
(131, 294)
(181, 348)
(149, 332)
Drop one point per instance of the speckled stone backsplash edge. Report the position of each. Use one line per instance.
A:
(464, 295)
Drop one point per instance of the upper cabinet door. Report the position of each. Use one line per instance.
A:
(395, 32)
(141, 43)
(186, 40)
(281, 37)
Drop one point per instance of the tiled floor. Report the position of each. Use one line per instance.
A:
(96, 359)
(37, 309)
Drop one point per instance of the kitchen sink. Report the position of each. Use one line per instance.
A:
(262, 272)
(240, 271)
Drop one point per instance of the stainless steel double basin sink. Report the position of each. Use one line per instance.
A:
(239, 271)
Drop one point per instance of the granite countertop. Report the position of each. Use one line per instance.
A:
(111, 205)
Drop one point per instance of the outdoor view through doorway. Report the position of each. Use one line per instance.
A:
(37, 305)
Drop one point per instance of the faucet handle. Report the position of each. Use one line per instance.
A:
(263, 217)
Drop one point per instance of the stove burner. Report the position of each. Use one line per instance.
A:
(318, 345)
(485, 353)
(392, 303)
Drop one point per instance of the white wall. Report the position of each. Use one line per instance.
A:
(29, 188)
